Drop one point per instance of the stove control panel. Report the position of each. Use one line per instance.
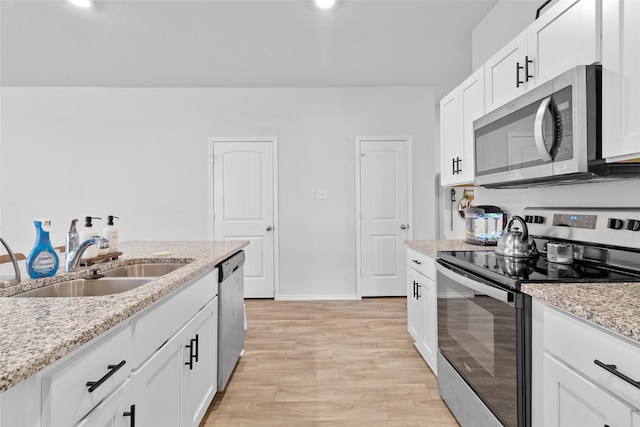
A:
(575, 220)
(604, 226)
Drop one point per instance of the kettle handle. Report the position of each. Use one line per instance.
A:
(525, 230)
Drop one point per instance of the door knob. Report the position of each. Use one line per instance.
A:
(269, 228)
(404, 227)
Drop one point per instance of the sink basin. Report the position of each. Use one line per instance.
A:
(85, 288)
(143, 270)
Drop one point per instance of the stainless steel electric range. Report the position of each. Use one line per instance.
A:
(484, 320)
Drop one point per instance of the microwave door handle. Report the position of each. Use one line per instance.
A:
(538, 130)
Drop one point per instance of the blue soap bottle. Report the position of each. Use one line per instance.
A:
(43, 260)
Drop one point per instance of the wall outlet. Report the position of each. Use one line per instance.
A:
(322, 195)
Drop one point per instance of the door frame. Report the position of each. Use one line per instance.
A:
(358, 141)
(273, 140)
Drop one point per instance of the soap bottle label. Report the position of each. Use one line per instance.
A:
(43, 263)
(43, 260)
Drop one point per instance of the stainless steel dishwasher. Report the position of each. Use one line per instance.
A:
(230, 316)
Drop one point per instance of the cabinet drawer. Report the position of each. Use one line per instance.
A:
(155, 326)
(422, 263)
(202, 291)
(66, 398)
(579, 344)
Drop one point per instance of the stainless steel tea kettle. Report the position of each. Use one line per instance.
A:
(516, 243)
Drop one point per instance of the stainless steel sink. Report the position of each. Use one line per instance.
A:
(144, 270)
(86, 288)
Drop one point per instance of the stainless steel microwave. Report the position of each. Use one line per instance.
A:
(549, 135)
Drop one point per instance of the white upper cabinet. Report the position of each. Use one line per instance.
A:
(504, 80)
(568, 34)
(458, 110)
(621, 79)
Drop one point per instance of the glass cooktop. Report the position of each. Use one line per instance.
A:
(514, 271)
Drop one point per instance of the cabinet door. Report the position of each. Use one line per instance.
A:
(449, 138)
(572, 400)
(413, 318)
(620, 79)
(157, 385)
(566, 36)
(115, 411)
(471, 96)
(636, 419)
(504, 81)
(199, 381)
(429, 340)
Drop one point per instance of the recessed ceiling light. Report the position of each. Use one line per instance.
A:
(82, 3)
(325, 4)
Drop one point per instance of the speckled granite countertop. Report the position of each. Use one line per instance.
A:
(35, 332)
(431, 247)
(615, 306)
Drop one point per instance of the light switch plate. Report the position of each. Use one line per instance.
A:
(322, 195)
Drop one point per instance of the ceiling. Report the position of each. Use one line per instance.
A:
(238, 43)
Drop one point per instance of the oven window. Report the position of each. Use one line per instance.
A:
(477, 335)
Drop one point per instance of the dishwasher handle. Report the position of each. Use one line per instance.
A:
(229, 266)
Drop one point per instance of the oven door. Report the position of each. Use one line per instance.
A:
(484, 334)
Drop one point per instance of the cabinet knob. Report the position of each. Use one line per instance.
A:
(269, 228)
(404, 226)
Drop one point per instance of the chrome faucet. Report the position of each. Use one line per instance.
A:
(75, 249)
(4, 282)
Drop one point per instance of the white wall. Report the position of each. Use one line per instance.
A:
(507, 19)
(142, 154)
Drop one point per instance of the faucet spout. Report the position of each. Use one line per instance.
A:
(74, 255)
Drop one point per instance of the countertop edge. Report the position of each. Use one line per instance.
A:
(40, 353)
(585, 301)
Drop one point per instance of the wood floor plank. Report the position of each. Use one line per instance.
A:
(329, 363)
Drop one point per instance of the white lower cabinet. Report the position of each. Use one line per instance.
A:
(422, 305)
(175, 386)
(583, 374)
(155, 369)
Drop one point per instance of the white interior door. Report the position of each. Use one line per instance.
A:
(244, 206)
(384, 214)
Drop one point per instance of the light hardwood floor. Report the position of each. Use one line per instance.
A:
(329, 363)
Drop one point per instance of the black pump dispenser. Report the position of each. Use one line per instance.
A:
(110, 219)
(87, 221)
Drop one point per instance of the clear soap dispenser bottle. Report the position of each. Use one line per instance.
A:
(43, 260)
(86, 233)
(111, 233)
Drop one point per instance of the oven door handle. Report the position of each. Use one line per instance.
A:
(467, 282)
